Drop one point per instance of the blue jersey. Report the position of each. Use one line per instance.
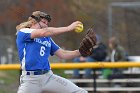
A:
(34, 53)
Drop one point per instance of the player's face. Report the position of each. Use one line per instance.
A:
(44, 23)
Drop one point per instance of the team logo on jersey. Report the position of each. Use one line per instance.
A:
(46, 43)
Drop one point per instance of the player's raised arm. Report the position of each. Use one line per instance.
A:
(50, 31)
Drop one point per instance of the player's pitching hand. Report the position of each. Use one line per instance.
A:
(74, 25)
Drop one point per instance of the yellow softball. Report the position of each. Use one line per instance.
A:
(79, 28)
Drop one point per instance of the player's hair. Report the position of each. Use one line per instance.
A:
(31, 20)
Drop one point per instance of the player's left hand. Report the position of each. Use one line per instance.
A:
(88, 43)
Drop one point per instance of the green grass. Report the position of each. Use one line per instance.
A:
(9, 81)
(60, 72)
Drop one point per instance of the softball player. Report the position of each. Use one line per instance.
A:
(34, 48)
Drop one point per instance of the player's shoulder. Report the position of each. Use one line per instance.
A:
(26, 30)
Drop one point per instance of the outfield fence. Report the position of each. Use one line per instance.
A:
(69, 65)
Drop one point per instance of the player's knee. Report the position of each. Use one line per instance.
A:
(82, 91)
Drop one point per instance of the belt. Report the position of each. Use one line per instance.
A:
(37, 72)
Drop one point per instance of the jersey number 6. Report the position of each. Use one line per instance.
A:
(42, 51)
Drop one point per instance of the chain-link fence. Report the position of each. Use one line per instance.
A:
(8, 54)
(124, 23)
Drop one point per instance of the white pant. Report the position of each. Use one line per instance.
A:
(49, 82)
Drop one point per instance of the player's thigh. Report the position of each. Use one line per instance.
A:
(57, 84)
(29, 87)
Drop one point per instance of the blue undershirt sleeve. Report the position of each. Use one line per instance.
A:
(54, 47)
